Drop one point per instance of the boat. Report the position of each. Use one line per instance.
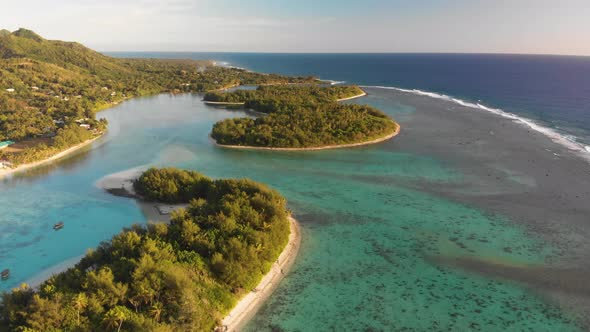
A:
(5, 274)
(58, 226)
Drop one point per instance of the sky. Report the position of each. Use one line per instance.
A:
(472, 26)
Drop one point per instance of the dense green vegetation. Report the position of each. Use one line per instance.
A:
(48, 85)
(300, 117)
(184, 276)
(268, 99)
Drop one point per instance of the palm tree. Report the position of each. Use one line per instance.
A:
(80, 302)
(156, 311)
(115, 317)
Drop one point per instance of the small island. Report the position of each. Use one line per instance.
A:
(305, 117)
(185, 275)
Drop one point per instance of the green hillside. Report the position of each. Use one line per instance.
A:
(50, 89)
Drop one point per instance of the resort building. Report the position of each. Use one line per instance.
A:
(5, 164)
(5, 144)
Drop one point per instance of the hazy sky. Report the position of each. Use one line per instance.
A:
(504, 26)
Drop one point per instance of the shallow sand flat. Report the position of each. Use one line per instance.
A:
(121, 184)
(121, 180)
(508, 169)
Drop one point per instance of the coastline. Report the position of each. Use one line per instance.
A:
(222, 103)
(251, 302)
(23, 167)
(353, 97)
(326, 147)
(121, 184)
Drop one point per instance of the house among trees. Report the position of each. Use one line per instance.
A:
(11, 90)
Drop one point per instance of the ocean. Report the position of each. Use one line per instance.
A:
(553, 91)
(465, 221)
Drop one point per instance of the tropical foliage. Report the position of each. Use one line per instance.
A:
(182, 276)
(47, 85)
(300, 117)
(269, 99)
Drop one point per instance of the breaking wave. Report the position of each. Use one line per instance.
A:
(566, 140)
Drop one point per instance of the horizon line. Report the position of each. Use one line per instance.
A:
(360, 53)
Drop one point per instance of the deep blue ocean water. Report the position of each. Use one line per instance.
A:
(552, 90)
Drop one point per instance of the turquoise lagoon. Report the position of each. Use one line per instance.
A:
(368, 234)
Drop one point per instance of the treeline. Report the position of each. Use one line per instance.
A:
(300, 117)
(268, 99)
(184, 276)
(48, 85)
(326, 124)
(65, 138)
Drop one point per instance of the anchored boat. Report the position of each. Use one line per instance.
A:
(5, 274)
(58, 226)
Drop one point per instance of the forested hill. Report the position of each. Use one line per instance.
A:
(51, 89)
(70, 55)
(182, 276)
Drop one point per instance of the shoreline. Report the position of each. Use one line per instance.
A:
(59, 155)
(248, 305)
(317, 148)
(223, 103)
(121, 184)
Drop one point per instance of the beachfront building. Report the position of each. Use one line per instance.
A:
(5, 144)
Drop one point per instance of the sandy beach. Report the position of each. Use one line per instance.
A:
(249, 304)
(24, 167)
(327, 147)
(222, 103)
(353, 97)
(42, 276)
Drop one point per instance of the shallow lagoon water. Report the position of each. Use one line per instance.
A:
(368, 238)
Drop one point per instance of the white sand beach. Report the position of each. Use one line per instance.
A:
(353, 97)
(10, 171)
(249, 304)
